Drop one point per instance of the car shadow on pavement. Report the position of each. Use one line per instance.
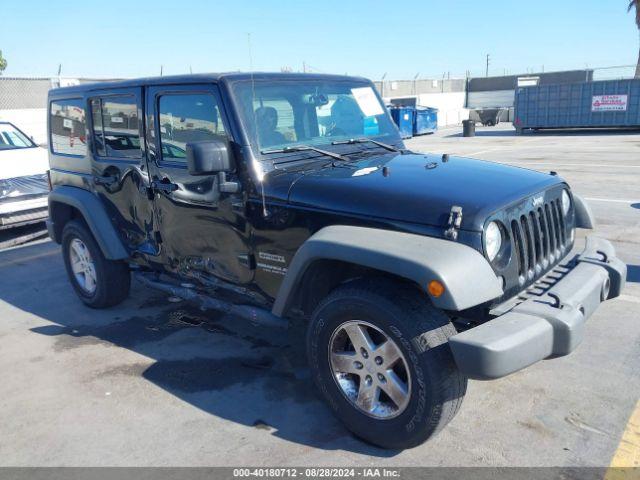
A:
(254, 376)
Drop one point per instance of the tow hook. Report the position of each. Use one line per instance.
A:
(454, 223)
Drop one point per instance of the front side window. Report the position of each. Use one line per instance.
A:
(185, 118)
(12, 138)
(115, 126)
(314, 112)
(67, 127)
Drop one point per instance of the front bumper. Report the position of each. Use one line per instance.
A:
(546, 325)
(23, 212)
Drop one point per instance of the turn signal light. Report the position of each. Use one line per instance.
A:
(435, 288)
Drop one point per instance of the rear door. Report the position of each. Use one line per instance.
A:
(202, 231)
(119, 168)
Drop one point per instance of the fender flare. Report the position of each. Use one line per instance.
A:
(468, 278)
(95, 216)
(584, 215)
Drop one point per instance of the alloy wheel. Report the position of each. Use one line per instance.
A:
(370, 369)
(83, 266)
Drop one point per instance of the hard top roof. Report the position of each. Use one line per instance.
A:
(200, 78)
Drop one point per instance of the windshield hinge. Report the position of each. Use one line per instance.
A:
(454, 223)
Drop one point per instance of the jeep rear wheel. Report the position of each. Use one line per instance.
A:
(99, 282)
(379, 355)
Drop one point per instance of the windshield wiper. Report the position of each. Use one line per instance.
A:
(353, 141)
(304, 148)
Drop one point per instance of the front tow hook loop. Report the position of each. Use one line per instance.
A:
(558, 303)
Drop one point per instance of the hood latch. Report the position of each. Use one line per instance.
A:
(454, 223)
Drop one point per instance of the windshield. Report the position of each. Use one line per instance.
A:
(11, 138)
(278, 114)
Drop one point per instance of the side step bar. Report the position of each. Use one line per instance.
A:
(256, 315)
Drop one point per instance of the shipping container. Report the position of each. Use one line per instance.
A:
(605, 104)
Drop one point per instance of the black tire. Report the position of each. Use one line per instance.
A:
(113, 279)
(421, 332)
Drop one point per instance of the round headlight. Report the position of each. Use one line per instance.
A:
(492, 240)
(566, 202)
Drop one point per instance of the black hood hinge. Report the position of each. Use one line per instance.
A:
(454, 223)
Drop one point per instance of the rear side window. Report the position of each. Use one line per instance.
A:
(187, 118)
(115, 127)
(68, 127)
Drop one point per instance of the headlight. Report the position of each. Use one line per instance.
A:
(492, 240)
(566, 202)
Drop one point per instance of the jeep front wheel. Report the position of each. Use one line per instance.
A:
(379, 355)
(99, 282)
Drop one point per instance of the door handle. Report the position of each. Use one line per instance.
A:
(164, 186)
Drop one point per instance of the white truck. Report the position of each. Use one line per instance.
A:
(23, 179)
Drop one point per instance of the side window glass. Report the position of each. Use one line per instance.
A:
(185, 118)
(67, 127)
(115, 127)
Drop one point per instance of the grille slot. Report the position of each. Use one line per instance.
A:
(539, 239)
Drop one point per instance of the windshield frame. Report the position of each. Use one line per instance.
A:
(31, 143)
(393, 138)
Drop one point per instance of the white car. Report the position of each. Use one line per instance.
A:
(24, 186)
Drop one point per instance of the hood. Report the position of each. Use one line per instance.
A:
(417, 188)
(22, 162)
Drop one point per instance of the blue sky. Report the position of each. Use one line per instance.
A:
(120, 38)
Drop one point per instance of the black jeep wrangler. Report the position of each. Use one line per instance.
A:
(292, 196)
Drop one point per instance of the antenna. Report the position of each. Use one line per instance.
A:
(257, 168)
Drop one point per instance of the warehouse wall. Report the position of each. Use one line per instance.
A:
(404, 88)
(451, 109)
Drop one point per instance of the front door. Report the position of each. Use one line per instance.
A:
(202, 232)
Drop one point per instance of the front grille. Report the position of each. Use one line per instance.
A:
(539, 239)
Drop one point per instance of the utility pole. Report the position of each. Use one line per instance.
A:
(488, 62)
(304, 67)
(161, 70)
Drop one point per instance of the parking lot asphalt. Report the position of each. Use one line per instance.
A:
(156, 383)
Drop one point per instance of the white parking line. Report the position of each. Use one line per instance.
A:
(611, 200)
(596, 165)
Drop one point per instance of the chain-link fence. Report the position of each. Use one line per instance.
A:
(21, 93)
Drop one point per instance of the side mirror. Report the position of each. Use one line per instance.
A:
(208, 157)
